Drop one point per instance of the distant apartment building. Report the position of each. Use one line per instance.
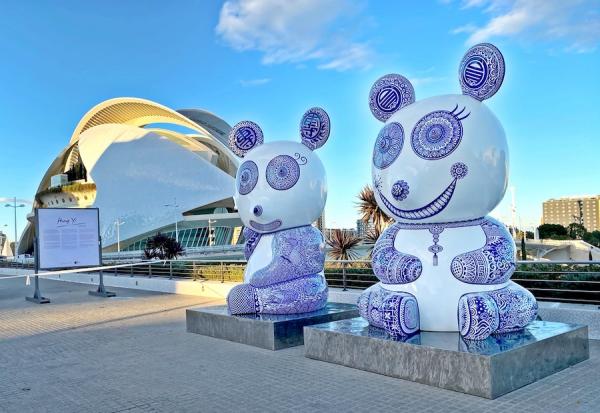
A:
(583, 210)
(320, 222)
(363, 228)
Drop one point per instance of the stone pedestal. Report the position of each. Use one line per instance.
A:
(488, 368)
(269, 331)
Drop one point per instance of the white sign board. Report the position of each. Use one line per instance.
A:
(67, 238)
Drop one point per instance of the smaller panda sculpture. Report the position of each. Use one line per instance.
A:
(439, 166)
(281, 190)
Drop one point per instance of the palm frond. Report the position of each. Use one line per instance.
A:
(343, 245)
(370, 211)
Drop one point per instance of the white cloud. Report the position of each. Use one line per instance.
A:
(425, 80)
(254, 82)
(286, 31)
(574, 22)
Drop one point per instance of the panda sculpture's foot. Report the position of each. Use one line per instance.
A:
(301, 295)
(396, 312)
(493, 312)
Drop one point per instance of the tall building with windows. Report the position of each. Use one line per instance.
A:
(363, 228)
(583, 210)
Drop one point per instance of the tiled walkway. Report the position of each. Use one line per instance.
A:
(88, 354)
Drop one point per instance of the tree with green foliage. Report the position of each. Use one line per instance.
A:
(592, 238)
(576, 231)
(162, 247)
(552, 231)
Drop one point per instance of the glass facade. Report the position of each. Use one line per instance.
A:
(192, 238)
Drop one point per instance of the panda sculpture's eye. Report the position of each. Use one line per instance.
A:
(388, 145)
(283, 172)
(437, 134)
(247, 177)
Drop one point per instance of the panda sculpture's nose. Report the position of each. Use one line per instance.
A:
(257, 210)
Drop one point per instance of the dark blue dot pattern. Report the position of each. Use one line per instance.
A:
(245, 136)
(437, 134)
(389, 94)
(315, 128)
(247, 177)
(388, 145)
(481, 71)
(283, 172)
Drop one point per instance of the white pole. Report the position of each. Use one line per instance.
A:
(118, 237)
(513, 211)
(16, 241)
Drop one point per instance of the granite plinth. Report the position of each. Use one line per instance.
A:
(487, 368)
(269, 331)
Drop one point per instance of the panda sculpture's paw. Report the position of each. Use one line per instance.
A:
(396, 312)
(494, 312)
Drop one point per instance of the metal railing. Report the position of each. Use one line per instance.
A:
(564, 281)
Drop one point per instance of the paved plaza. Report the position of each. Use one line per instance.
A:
(132, 354)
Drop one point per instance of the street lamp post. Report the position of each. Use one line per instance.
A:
(175, 206)
(210, 221)
(15, 206)
(118, 224)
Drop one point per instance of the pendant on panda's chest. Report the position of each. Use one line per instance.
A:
(435, 230)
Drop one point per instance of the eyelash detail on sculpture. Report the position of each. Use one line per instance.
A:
(456, 115)
(300, 159)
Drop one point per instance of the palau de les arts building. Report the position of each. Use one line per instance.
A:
(129, 158)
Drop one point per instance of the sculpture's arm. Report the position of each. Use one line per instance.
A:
(390, 265)
(297, 252)
(494, 263)
(252, 237)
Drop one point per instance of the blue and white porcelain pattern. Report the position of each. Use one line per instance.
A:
(481, 71)
(389, 94)
(281, 190)
(388, 145)
(396, 313)
(444, 251)
(244, 136)
(494, 263)
(315, 128)
(438, 133)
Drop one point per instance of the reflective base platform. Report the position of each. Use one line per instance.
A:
(273, 332)
(487, 368)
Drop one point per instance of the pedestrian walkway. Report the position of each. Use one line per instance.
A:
(132, 353)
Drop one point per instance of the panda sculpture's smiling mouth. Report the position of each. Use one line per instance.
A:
(437, 205)
(268, 227)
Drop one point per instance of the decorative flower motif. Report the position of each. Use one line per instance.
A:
(400, 190)
(459, 170)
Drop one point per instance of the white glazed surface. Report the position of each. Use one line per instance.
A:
(482, 149)
(297, 206)
(436, 290)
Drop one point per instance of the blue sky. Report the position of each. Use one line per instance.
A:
(270, 60)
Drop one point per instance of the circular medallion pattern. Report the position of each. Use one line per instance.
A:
(247, 177)
(436, 135)
(388, 145)
(481, 71)
(315, 127)
(245, 136)
(400, 190)
(389, 94)
(459, 170)
(283, 172)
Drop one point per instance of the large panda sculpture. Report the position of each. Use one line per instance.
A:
(439, 166)
(281, 190)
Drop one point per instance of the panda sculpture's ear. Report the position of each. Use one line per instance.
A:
(244, 136)
(389, 94)
(315, 127)
(481, 71)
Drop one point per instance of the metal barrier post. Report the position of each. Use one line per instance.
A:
(344, 277)
(194, 277)
(170, 270)
(131, 270)
(37, 295)
(149, 270)
(222, 273)
(101, 291)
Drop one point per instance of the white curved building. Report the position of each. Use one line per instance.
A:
(146, 166)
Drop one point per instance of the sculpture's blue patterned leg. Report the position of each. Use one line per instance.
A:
(396, 312)
(517, 307)
(477, 316)
(301, 295)
(499, 311)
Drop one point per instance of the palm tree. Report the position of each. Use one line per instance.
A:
(343, 248)
(371, 238)
(369, 209)
(162, 247)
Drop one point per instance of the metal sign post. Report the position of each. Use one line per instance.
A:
(37, 295)
(101, 291)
